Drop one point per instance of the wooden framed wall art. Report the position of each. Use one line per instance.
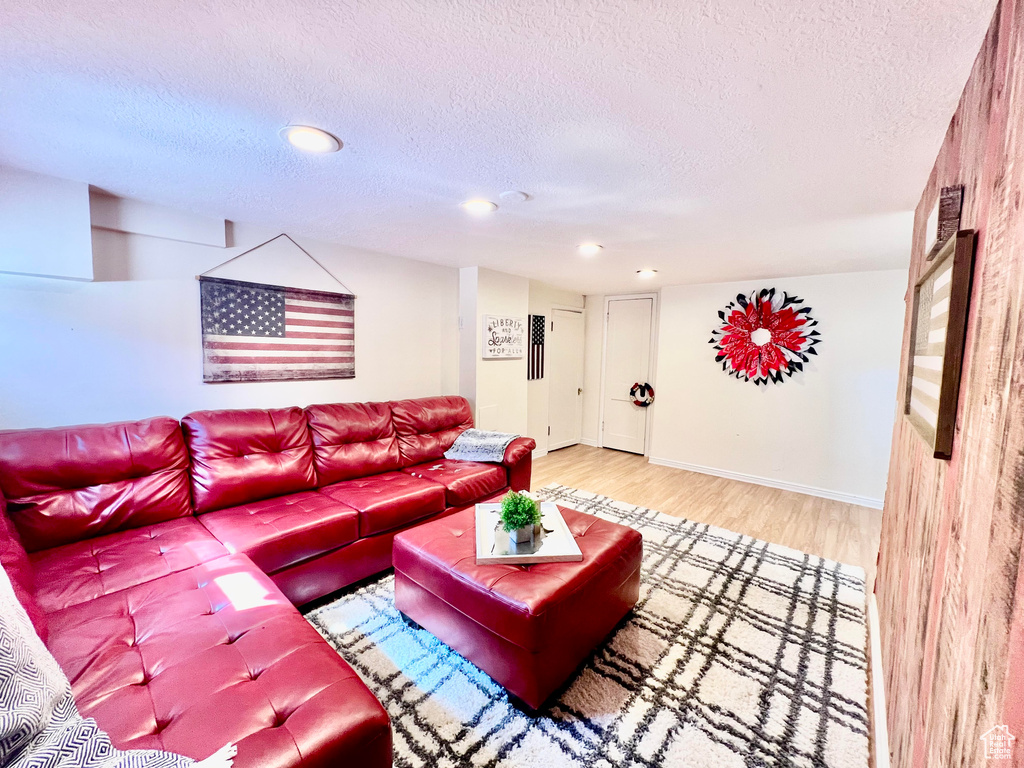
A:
(938, 328)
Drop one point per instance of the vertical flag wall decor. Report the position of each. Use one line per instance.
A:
(535, 365)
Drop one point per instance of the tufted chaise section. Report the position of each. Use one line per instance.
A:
(216, 654)
(84, 570)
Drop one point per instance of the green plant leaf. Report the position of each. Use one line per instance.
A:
(518, 511)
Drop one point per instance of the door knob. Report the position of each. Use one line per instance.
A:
(579, 391)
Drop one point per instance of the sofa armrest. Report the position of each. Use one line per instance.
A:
(518, 460)
(517, 449)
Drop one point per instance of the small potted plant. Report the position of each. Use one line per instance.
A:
(519, 515)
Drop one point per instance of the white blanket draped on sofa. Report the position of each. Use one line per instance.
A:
(480, 445)
(40, 726)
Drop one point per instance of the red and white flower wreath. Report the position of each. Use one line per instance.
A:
(764, 336)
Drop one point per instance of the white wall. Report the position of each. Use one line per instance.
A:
(123, 214)
(44, 226)
(129, 346)
(469, 334)
(824, 431)
(593, 358)
(544, 299)
(495, 387)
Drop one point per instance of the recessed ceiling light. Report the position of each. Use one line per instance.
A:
(514, 196)
(646, 274)
(589, 249)
(478, 206)
(310, 139)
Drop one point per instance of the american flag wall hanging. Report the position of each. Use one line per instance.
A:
(535, 365)
(256, 332)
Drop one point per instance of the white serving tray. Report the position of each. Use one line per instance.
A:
(553, 544)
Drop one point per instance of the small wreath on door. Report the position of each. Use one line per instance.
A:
(642, 394)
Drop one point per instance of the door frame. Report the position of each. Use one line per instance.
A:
(652, 362)
(581, 311)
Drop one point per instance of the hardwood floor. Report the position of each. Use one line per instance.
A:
(831, 529)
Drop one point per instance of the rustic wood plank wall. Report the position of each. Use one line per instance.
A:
(951, 577)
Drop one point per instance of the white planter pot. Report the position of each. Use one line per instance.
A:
(521, 535)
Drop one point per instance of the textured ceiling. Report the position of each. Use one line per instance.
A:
(710, 140)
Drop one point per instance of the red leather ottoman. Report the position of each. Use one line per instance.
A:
(528, 627)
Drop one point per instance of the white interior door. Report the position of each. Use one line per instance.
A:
(565, 383)
(627, 361)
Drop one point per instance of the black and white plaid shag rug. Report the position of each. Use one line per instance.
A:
(739, 653)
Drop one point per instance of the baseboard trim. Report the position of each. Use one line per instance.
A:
(880, 728)
(809, 490)
(588, 441)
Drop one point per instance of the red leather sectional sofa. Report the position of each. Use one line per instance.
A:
(164, 561)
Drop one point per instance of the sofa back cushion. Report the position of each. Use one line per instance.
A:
(14, 561)
(427, 427)
(73, 483)
(352, 440)
(247, 455)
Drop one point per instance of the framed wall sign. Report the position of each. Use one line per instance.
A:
(503, 337)
(939, 324)
(945, 218)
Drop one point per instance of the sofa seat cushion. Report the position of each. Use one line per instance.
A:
(465, 482)
(75, 573)
(281, 532)
(388, 500)
(216, 654)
